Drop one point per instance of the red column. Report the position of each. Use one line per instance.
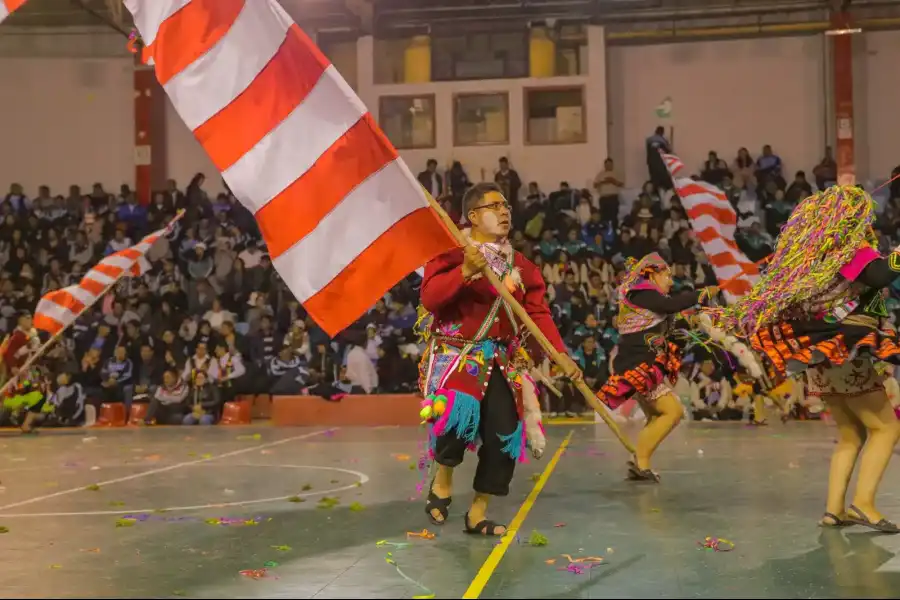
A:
(149, 132)
(842, 63)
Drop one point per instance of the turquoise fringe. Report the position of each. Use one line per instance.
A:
(513, 442)
(464, 418)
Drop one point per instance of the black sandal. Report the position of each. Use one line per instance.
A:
(636, 474)
(482, 527)
(442, 505)
(838, 522)
(883, 525)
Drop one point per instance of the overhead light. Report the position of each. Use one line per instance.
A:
(848, 31)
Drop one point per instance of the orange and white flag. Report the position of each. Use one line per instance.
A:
(714, 222)
(8, 6)
(60, 308)
(343, 217)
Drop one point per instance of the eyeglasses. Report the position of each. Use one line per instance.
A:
(495, 206)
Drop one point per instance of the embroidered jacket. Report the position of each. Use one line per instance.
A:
(472, 313)
(473, 332)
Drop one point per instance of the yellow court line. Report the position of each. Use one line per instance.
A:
(493, 560)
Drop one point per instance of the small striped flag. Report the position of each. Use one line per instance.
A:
(60, 308)
(343, 217)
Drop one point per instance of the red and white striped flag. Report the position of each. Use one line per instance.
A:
(714, 222)
(673, 163)
(343, 217)
(8, 6)
(60, 308)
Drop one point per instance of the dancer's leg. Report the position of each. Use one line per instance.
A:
(851, 437)
(669, 413)
(876, 414)
(499, 418)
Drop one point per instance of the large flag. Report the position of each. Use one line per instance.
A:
(342, 215)
(7, 6)
(60, 308)
(714, 222)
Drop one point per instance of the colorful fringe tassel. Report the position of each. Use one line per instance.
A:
(515, 443)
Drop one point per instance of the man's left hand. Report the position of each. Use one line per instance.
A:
(570, 369)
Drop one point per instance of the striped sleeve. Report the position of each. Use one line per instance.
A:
(343, 217)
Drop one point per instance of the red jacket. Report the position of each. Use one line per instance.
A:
(16, 350)
(453, 301)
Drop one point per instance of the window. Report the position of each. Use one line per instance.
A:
(340, 49)
(390, 65)
(555, 116)
(481, 119)
(499, 55)
(408, 121)
(571, 50)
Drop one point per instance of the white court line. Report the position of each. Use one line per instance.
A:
(363, 479)
(165, 469)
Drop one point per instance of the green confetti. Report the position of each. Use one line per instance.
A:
(116, 503)
(160, 510)
(179, 593)
(4, 529)
(537, 539)
(93, 488)
(125, 522)
(296, 499)
(306, 488)
(282, 548)
(206, 456)
(333, 481)
(356, 507)
(536, 477)
(413, 466)
(327, 502)
(269, 564)
(357, 484)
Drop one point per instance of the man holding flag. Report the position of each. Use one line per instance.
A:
(473, 383)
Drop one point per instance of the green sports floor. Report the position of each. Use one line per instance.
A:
(239, 513)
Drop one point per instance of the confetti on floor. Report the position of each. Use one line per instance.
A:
(356, 507)
(537, 539)
(92, 488)
(4, 529)
(295, 499)
(326, 502)
(401, 457)
(424, 534)
(282, 548)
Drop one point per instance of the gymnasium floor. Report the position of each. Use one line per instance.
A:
(123, 513)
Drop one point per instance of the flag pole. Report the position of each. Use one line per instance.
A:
(45, 347)
(532, 327)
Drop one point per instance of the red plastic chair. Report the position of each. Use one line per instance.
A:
(238, 412)
(138, 413)
(111, 415)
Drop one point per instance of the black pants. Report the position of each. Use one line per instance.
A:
(498, 417)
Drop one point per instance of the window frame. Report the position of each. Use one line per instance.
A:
(430, 97)
(526, 106)
(456, 98)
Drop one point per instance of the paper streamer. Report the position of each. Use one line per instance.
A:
(428, 593)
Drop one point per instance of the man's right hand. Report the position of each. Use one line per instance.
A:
(473, 263)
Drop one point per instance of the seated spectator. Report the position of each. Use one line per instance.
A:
(287, 373)
(825, 173)
(148, 374)
(397, 372)
(228, 372)
(203, 402)
(743, 170)
(117, 378)
(200, 362)
(714, 170)
(768, 167)
(67, 402)
(167, 406)
(799, 189)
(358, 372)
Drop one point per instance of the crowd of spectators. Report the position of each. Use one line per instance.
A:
(212, 319)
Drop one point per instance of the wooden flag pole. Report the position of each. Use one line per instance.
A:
(532, 327)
